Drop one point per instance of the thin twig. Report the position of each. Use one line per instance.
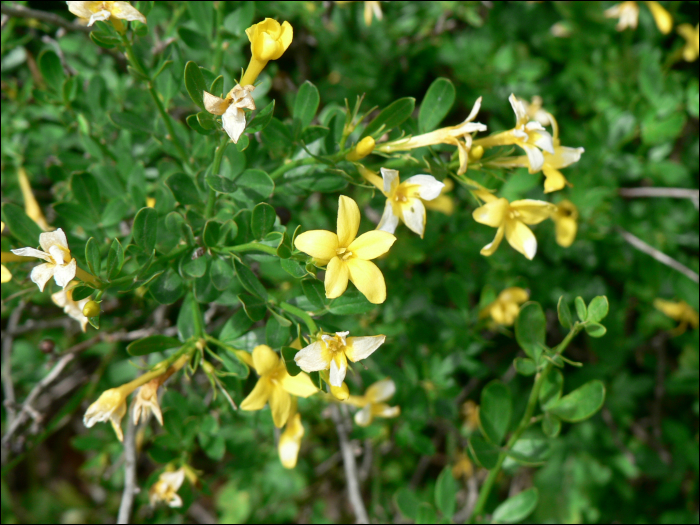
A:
(351, 478)
(463, 515)
(129, 469)
(7, 385)
(674, 193)
(659, 256)
(45, 16)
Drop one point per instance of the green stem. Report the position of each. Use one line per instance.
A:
(250, 247)
(218, 51)
(198, 320)
(301, 314)
(525, 422)
(284, 168)
(211, 196)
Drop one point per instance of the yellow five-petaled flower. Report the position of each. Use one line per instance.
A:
(347, 257)
(372, 403)
(505, 309)
(59, 263)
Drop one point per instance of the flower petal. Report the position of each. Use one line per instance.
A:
(518, 109)
(428, 186)
(368, 279)
(492, 213)
(100, 16)
(299, 385)
(514, 295)
(364, 417)
(259, 396)
(64, 274)
(126, 11)
(5, 275)
(475, 110)
(391, 179)
(491, 247)
(348, 221)
(535, 158)
(384, 410)
(320, 244)
(414, 216)
(214, 104)
(290, 442)
(521, 238)
(280, 405)
(389, 221)
(79, 9)
(358, 348)
(338, 371)
(337, 275)
(554, 179)
(372, 244)
(42, 274)
(32, 252)
(233, 121)
(443, 204)
(565, 228)
(54, 238)
(532, 211)
(313, 357)
(563, 157)
(381, 390)
(265, 360)
(542, 139)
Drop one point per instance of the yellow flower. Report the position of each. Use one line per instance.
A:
(691, 49)
(511, 219)
(31, 206)
(59, 263)
(505, 309)
(346, 257)
(627, 14)
(363, 148)
(535, 110)
(449, 135)
(372, 403)
(663, 18)
(566, 223)
(231, 109)
(680, 311)
(165, 489)
(463, 467)
(443, 203)
(404, 200)
(372, 8)
(92, 12)
(110, 406)
(5, 274)
(290, 440)
(527, 134)
(64, 299)
(275, 385)
(146, 401)
(268, 41)
(333, 351)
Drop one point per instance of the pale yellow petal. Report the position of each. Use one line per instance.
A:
(554, 180)
(358, 348)
(443, 204)
(348, 221)
(337, 275)
(290, 442)
(80, 9)
(265, 360)
(42, 274)
(339, 367)
(64, 274)
(5, 274)
(521, 238)
(381, 391)
(384, 410)
(320, 244)
(259, 396)
(514, 295)
(663, 18)
(54, 238)
(214, 104)
(280, 405)
(126, 11)
(368, 279)
(299, 385)
(491, 247)
(675, 310)
(492, 213)
(313, 358)
(32, 252)
(566, 228)
(372, 244)
(233, 122)
(531, 211)
(364, 417)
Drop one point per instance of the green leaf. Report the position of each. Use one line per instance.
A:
(531, 451)
(530, 329)
(51, 69)
(145, 229)
(86, 192)
(194, 83)
(211, 236)
(152, 343)
(552, 387)
(524, 366)
(187, 321)
(103, 40)
(313, 133)
(203, 15)
(221, 274)
(581, 309)
(517, 508)
(407, 502)
(115, 259)
(261, 119)
(595, 329)
(256, 184)
(446, 493)
(221, 184)
(132, 122)
(167, 288)
(350, 303)
(484, 452)
(262, 220)
(580, 404)
(306, 104)
(315, 292)
(21, 227)
(193, 123)
(239, 20)
(194, 267)
(288, 354)
(551, 425)
(254, 307)
(236, 326)
(293, 268)
(436, 104)
(597, 309)
(564, 313)
(206, 120)
(495, 411)
(233, 365)
(81, 292)
(390, 117)
(277, 135)
(192, 39)
(426, 513)
(249, 281)
(183, 188)
(76, 214)
(276, 335)
(657, 130)
(92, 256)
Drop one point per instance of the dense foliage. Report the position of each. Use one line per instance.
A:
(546, 382)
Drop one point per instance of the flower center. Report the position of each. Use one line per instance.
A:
(343, 254)
(514, 214)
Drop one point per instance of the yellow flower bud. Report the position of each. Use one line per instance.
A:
(476, 153)
(91, 309)
(268, 39)
(363, 148)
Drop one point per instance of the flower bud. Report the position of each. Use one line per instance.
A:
(363, 148)
(268, 39)
(91, 309)
(476, 153)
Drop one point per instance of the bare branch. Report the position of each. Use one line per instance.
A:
(45, 16)
(465, 513)
(130, 487)
(673, 193)
(659, 256)
(7, 340)
(351, 478)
